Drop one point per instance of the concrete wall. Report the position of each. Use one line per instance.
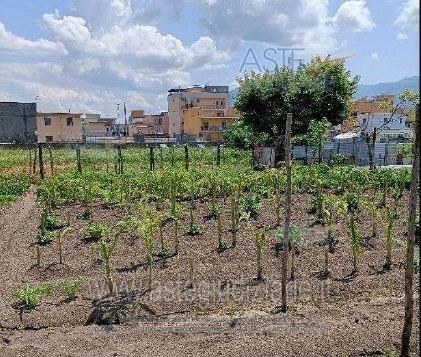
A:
(17, 122)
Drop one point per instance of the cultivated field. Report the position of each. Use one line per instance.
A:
(106, 257)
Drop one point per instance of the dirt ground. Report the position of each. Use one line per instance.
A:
(225, 313)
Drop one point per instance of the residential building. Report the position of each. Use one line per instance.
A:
(145, 124)
(395, 129)
(180, 99)
(18, 122)
(59, 127)
(96, 126)
(365, 105)
(201, 124)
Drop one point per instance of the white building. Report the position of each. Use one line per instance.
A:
(388, 127)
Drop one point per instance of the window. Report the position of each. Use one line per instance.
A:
(385, 120)
(69, 121)
(49, 139)
(47, 121)
(364, 121)
(400, 120)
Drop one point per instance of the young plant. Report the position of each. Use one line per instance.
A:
(177, 218)
(294, 239)
(222, 245)
(193, 228)
(105, 248)
(163, 249)
(329, 207)
(148, 225)
(250, 204)
(352, 207)
(71, 287)
(96, 231)
(390, 215)
(28, 296)
(60, 236)
(88, 194)
(317, 201)
(259, 240)
(235, 215)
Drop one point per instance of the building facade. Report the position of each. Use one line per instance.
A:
(148, 124)
(389, 128)
(207, 97)
(18, 122)
(200, 124)
(361, 106)
(200, 113)
(59, 127)
(96, 126)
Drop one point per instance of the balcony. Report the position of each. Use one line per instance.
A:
(213, 128)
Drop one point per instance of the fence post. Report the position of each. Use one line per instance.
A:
(50, 153)
(34, 166)
(285, 241)
(41, 162)
(186, 157)
(30, 160)
(120, 160)
(172, 156)
(78, 161)
(151, 158)
(218, 155)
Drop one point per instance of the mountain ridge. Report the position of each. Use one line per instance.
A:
(371, 90)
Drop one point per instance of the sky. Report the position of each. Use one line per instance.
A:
(90, 55)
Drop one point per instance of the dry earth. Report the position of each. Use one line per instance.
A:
(225, 313)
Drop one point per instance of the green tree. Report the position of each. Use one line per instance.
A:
(242, 136)
(317, 135)
(320, 89)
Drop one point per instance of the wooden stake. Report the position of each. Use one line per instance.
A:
(287, 214)
(41, 162)
(409, 268)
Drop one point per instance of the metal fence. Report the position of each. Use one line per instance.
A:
(356, 150)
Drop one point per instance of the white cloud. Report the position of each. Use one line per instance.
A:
(402, 36)
(353, 15)
(12, 43)
(374, 56)
(409, 18)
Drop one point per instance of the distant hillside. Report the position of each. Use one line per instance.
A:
(371, 90)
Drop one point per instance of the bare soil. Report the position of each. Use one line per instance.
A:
(226, 312)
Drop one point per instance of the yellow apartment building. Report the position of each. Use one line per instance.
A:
(208, 124)
(59, 127)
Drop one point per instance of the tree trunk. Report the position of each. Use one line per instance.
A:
(409, 298)
(287, 214)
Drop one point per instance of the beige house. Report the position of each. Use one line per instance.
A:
(148, 124)
(96, 126)
(59, 127)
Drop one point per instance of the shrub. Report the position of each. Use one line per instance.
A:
(43, 238)
(96, 231)
(28, 296)
(250, 204)
(70, 287)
